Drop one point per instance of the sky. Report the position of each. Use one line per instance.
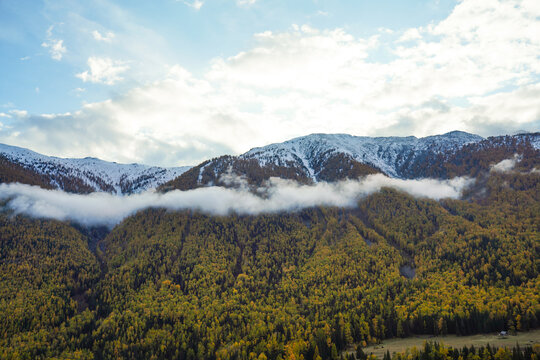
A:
(171, 82)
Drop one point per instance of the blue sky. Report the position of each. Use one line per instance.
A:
(175, 82)
(187, 36)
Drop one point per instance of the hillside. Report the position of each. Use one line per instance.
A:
(187, 285)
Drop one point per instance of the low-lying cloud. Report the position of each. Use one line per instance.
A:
(276, 196)
(506, 165)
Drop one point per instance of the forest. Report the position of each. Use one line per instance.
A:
(301, 285)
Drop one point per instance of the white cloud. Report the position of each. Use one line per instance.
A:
(500, 113)
(410, 34)
(24, 58)
(103, 70)
(195, 4)
(106, 37)
(19, 113)
(91, 30)
(280, 195)
(245, 2)
(506, 165)
(385, 30)
(56, 46)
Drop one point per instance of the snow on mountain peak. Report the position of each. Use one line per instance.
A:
(94, 173)
(388, 154)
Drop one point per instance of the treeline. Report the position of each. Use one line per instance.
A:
(184, 285)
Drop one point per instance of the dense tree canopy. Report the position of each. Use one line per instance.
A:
(278, 286)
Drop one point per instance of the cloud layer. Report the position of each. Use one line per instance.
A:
(279, 195)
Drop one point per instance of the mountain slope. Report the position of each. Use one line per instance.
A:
(14, 172)
(475, 158)
(389, 154)
(83, 175)
(333, 157)
(184, 285)
(323, 157)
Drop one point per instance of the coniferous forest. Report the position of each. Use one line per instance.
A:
(300, 285)
(270, 180)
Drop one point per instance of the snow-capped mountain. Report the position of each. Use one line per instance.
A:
(91, 174)
(333, 157)
(388, 154)
(326, 157)
(307, 159)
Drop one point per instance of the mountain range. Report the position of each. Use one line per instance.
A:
(308, 159)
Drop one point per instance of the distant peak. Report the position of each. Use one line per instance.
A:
(460, 133)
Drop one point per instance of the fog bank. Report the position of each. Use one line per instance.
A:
(279, 195)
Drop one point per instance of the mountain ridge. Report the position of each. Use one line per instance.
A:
(306, 159)
(334, 157)
(379, 152)
(89, 174)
